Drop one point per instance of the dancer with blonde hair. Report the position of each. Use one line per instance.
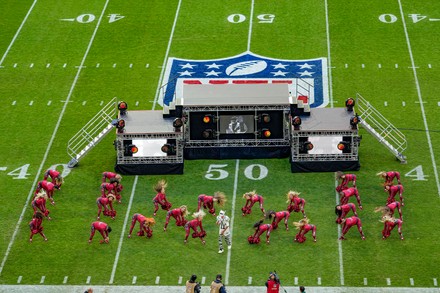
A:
(251, 198)
(389, 224)
(39, 203)
(389, 177)
(389, 209)
(304, 227)
(107, 204)
(207, 201)
(392, 191)
(55, 177)
(178, 214)
(145, 225)
(160, 198)
(193, 224)
(295, 203)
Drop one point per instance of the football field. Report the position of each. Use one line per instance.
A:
(60, 62)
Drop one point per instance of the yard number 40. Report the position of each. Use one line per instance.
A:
(217, 172)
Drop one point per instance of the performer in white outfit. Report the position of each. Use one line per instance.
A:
(224, 230)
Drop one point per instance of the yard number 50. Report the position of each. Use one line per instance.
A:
(217, 172)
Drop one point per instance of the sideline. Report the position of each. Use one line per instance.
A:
(174, 289)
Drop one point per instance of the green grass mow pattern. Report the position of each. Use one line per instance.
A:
(61, 61)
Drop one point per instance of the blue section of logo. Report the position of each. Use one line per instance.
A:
(308, 76)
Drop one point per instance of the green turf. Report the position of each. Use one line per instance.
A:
(364, 53)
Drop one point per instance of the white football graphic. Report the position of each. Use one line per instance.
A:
(246, 68)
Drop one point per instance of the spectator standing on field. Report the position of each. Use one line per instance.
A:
(217, 285)
(302, 289)
(224, 231)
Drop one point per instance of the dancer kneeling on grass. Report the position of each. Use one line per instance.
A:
(260, 228)
(345, 179)
(145, 225)
(342, 210)
(350, 222)
(389, 209)
(295, 203)
(103, 228)
(208, 201)
(39, 203)
(35, 226)
(106, 203)
(193, 224)
(389, 224)
(277, 217)
(251, 198)
(179, 214)
(160, 198)
(303, 226)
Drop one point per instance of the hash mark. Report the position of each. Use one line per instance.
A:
(32, 65)
(429, 66)
(19, 279)
(15, 65)
(435, 282)
(131, 65)
(388, 281)
(15, 102)
(379, 65)
(49, 102)
(88, 279)
(385, 103)
(203, 280)
(295, 281)
(180, 280)
(157, 280)
(97, 65)
(438, 104)
(134, 280)
(137, 103)
(31, 103)
(148, 65)
(365, 282)
(47, 65)
(411, 281)
(346, 65)
(114, 65)
(84, 103)
(64, 65)
(319, 280)
(396, 65)
(403, 103)
(102, 102)
(363, 65)
(65, 279)
(249, 280)
(42, 279)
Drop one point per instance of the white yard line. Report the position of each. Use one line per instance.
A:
(234, 197)
(329, 61)
(121, 238)
(250, 26)
(17, 33)
(341, 257)
(49, 145)
(419, 94)
(159, 84)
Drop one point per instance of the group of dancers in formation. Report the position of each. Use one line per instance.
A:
(111, 188)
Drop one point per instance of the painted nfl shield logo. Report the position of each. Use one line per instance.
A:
(307, 79)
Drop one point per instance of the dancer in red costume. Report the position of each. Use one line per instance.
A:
(110, 175)
(350, 222)
(392, 191)
(145, 225)
(207, 201)
(389, 224)
(251, 198)
(39, 203)
(160, 199)
(260, 228)
(304, 227)
(193, 224)
(55, 177)
(106, 203)
(389, 177)
(347, 193)
(345, 179)
(103, 229)
(48, 187)
(35, 226)
(342, 210)
(178, 214)
(295, 203)
(389, 209)
(278, 217)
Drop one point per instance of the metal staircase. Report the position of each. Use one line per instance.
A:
(92, 133)
(378, 126)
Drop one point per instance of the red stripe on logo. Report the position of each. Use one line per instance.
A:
(249, 81)
(186, 81)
